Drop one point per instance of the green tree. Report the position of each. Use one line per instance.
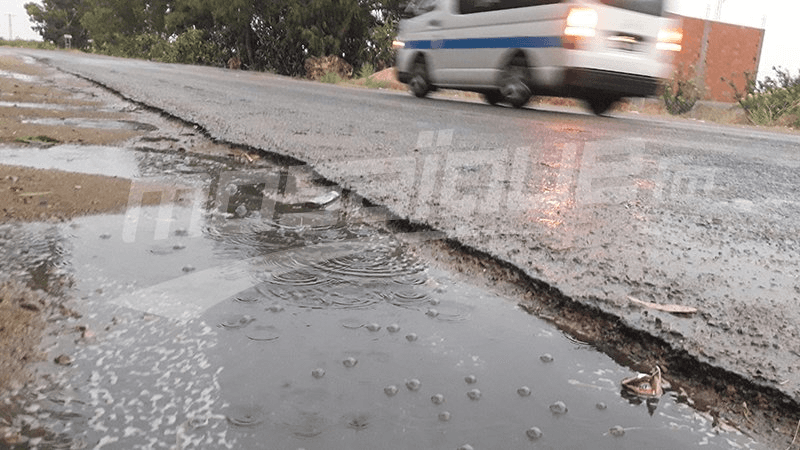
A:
(53, 19)
(278, 35)
(233, 28)
(276, 49)
(333, 27)
(229, 24)
(379, 45)
(186, 15)
(112, 22)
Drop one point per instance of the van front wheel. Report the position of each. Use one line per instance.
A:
(493, 97)
(514, 83)
(419, 79)
(601, 103)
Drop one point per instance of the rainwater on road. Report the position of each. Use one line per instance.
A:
(261, 307)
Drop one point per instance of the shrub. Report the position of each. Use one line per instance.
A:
(680, 93)
(319, 67)
(772, 101)
(136, 46)
(331, 77)
(193, 47)
(366, 70)
(189, 47)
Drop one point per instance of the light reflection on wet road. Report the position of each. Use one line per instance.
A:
(262, 332)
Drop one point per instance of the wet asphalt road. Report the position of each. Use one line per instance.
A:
(603, 208)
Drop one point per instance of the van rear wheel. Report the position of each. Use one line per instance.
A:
(514, 83)
(419, 79)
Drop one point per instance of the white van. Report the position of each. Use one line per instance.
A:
(509, 50)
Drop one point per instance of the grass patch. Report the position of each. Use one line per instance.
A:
(373, 84)
(364, 77)
(28, 44)
(331, 78)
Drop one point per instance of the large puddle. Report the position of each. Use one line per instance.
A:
(249, 309)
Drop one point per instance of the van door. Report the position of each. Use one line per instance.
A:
(459, 54)
(444, 59)
(476, 35)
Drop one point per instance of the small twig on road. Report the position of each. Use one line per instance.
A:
(674, 309)
(795, 436)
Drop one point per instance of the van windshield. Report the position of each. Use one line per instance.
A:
(653, 7)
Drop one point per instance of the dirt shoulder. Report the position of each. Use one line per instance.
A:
(29, 94)
(41, 108)
(21, 325)
(36, 194)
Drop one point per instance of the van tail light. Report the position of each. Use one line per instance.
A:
(581, 26)
(670, 39)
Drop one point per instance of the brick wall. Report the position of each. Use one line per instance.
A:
(716, 52)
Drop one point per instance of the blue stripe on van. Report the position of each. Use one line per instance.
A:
(473, 43)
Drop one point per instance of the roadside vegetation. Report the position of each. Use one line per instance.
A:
(331, 78)
(40, 45)
(681, 93)
(268, 35)
(366, 73)
(773, 101)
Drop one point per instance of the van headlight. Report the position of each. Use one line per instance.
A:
(580, 26)
(398, 44)
(670, 39)
(581, 22)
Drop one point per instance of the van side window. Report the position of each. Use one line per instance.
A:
(418, 7)
(652, 7)
(476, 6)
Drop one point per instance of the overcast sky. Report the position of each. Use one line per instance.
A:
(781, 41)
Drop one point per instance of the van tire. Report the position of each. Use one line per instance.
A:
(492, 97)
(419, 84)
(599, 104)
(514, 82)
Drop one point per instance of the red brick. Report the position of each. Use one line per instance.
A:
(731, 51)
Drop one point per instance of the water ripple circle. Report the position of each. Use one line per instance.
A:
(245, 416)
(408, 299)
(376, 262)
(299, 278)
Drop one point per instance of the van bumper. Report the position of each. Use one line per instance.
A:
(624, 84)
(404, 65)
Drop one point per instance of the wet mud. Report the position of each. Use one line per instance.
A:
(236, 301)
